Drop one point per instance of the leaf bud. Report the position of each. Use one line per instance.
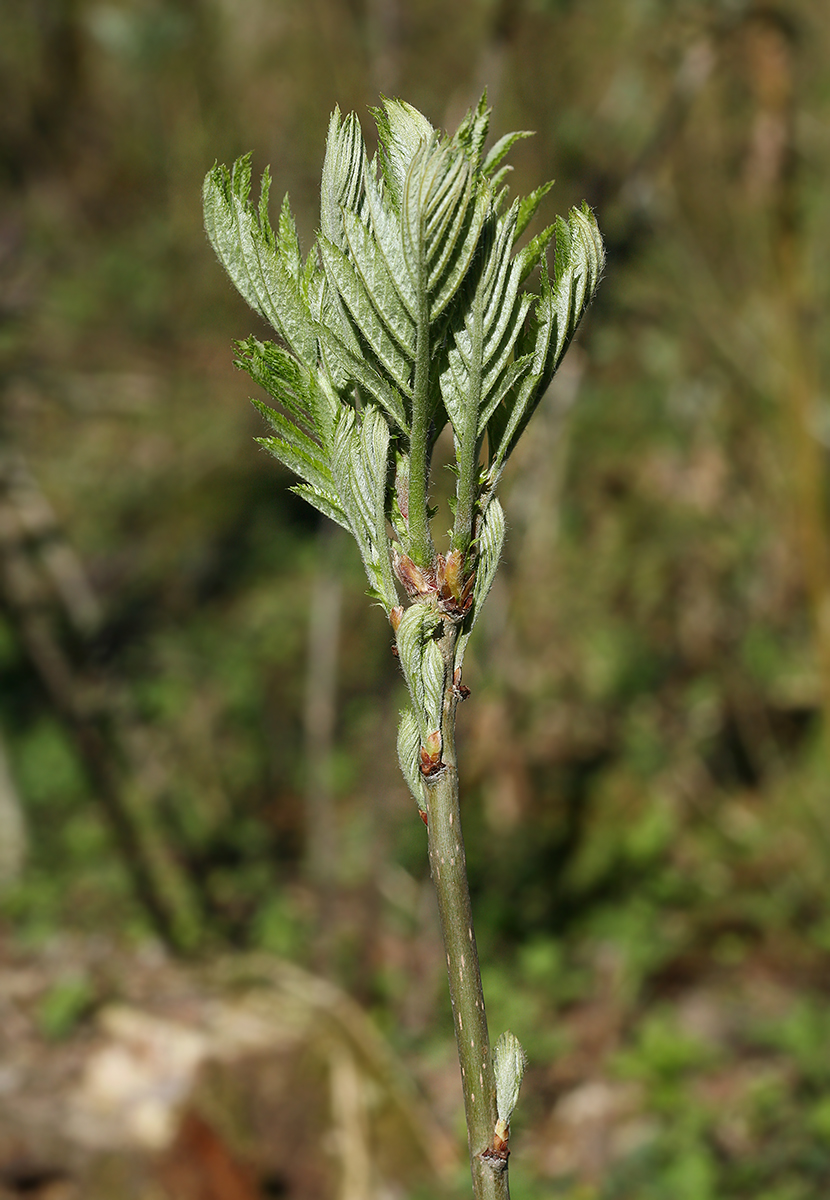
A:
(509, 1062)
(416, 581)
(460, 689)
(454, 572)
(431, 762)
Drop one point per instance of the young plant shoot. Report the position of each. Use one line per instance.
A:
(410, 313)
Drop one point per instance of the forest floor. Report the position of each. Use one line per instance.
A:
(123, 1072)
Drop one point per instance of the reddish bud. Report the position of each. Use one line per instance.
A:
(455, 594)
(454, 572)
(431, 755)
(395, 616)
(432, 746)
(496, 1158)
(416, 581)
(466, 597)
(460, 689)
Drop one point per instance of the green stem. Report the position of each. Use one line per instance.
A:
(449, 874)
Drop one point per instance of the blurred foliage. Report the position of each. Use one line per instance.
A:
(644, 749)
(65, 1006)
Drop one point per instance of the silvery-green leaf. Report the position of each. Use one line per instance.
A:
(454, 390)
(409, 755)
(246, 246)
(501, 284)
(528, 206)
(324, 502)
(342, 182)
(434, 674)
(472, 132)
(479, 371)
(431, 166)
(335, 328)
(490, 542)
(340, 453)
(579, 260)
(444, 207)
(502, 148)
(401, 130)
(388, 240)
(289, 431)
(220, 222)
(295, 455)
(414, 634)
(509, 1063)
(315, 287)
(533, 251)
(368, 319)
(262, 208)
(442, 215)
(359, 461)
(289, 242)
(369, 472)
(502, 350)
(371, 264)
(326, 404)
(456, 265)
(510, 377)
(344, 442)
(360, 371)
(283, 376)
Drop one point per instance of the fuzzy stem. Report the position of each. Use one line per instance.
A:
(449, 874)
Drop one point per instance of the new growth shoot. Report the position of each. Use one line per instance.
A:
(412, 312)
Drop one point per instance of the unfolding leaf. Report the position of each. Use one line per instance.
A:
(509, 1063)
(409, 751)
(415, 633)
(401, 131)
(490, 542)
(502, 148)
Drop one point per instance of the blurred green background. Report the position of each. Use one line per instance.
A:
(198, 702)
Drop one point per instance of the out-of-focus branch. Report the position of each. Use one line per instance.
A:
(41, 579)
(774, 174)
(12, 825)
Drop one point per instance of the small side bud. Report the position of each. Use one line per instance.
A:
(509, 1062)
(431, 755)
(416, 581)
(459, 689)
(454, 572)
(455, 593)
(466, 597)
(395, 615)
